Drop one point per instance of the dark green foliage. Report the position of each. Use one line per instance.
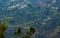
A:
(2, 30)
(3, 27)
(26, 36)
(18, 31)
(2, 35)
(29, 33)
(31, 30)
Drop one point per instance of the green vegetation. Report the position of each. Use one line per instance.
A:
(2, 30)
(18, 31)
(30, 32)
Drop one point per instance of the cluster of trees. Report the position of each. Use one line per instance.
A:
(18, 32)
